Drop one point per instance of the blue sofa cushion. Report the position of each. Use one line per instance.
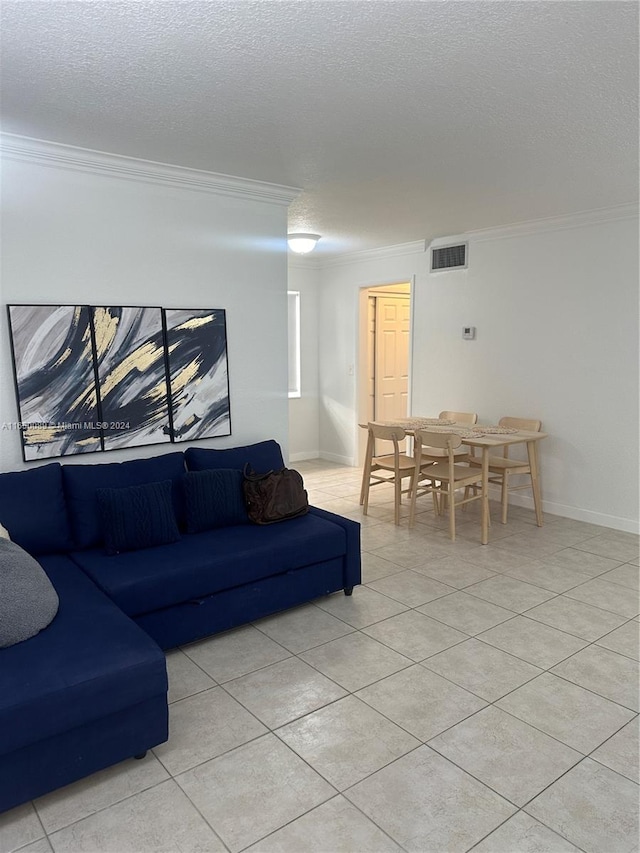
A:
(91, 661)
(82, 481)
(214, 499)
(137, 517)
(263, 456)
(205, 563)
(32, 508)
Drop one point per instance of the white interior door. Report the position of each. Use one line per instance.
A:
(391, 359)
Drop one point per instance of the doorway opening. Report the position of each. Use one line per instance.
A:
(383, 357)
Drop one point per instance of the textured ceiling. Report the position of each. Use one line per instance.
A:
(400, 120)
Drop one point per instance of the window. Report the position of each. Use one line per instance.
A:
(293, 302)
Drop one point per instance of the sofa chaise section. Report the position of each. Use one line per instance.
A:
(88, 691)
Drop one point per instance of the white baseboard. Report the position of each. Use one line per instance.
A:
(341, 460)
(628, 525)
(304, 456)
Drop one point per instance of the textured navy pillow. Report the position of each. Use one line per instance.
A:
(137, 517)
(214, 499)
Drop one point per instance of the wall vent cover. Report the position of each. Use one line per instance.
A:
(449, 257)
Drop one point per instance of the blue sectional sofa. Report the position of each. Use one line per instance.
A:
(91, 688)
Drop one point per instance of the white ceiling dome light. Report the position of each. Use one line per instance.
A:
(301, 243)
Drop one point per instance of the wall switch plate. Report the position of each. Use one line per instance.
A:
(469, 333)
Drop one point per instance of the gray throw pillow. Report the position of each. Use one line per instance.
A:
(28, 601)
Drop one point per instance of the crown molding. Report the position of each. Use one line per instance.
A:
(417, 247)
(45, 153)
(554, 223)
(300, 264)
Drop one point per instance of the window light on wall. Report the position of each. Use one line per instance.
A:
(293, 305)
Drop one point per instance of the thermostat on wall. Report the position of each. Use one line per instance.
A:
(469, 333)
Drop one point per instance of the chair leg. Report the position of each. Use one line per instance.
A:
(365, 494)
(505, 496)
(397, 498)
(452, 513)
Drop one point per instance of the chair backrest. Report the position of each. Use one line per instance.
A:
(460, 417)
(526, 424)
(426, 438)
(388, 433)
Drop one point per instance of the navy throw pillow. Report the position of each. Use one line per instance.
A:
(214, 499)
(137, 517)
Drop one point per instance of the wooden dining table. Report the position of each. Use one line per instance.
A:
(486, 442)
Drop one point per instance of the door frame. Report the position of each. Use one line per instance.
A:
(362, 379)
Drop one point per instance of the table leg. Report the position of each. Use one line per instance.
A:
(485, 496)
(532, 452)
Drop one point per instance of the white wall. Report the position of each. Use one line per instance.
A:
(338, 346)
(304, 439)
(556, 310)
(82, 237)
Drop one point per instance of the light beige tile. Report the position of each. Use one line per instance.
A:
(185, 677)
(593, 807)
(575, 617)
(582, 561)
(554, 578)
(607, 596)
(621, 752)
(204, 726)
(454, 571)
(613, 544)
(301, 628)
(413, 553)
(505, 753)
(254, 790)
(19, 827)
(510, 593)
(355, 661)
(532, 641)
(428, 805)
(374, 567)
(160, 820)
(567, 712)
(235, 653)
(415, 635)
(411, 588)
(606, 673)
(466, 612)
(495, 560)
(529, 545)
(347, 741)
(99, 790)
(482, 669)
(624, 640)
(284, 691)
(41, 846)
(362, 608)
(627, 575)
(334, 827)
(420, 701)
(522, 834)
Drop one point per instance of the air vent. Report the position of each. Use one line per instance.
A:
(449, 257)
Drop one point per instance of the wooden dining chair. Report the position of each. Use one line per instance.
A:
(461, 454)
(391, 469)
(441, 479)
(502, 468)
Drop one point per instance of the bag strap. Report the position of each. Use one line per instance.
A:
(250, 474)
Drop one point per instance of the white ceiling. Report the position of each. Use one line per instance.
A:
(400, 120)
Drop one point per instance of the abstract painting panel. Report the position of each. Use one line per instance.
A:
(198, 373)
(55, 380)
(132, 378)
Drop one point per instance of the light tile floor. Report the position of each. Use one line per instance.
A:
(466, 697)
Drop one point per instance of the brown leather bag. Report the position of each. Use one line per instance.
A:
(274, 496)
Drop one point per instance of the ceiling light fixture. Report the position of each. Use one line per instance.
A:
(302, 244)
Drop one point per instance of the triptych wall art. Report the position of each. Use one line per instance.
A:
(95, 378)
